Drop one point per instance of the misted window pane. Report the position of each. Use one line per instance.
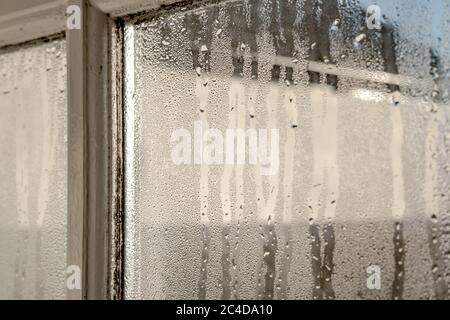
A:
(33, 171)
(288, 149)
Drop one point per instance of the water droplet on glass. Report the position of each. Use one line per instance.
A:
(359, 39)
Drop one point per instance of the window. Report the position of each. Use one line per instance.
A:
(33, 168)
(351, 182)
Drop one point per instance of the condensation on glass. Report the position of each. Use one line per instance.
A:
(33, 171)
(358, 205)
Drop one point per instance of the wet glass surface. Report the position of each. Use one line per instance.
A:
(361, 178)
(33, 171)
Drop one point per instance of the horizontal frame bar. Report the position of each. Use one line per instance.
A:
(119, 8)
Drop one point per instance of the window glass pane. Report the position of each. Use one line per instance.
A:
(340, 189)
(33, 171)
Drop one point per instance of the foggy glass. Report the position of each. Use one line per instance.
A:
(362, 182)
(33, 171)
